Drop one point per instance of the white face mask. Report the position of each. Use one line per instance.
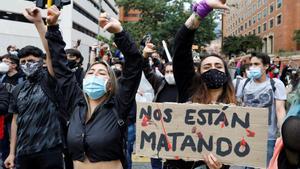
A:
(4, 67)
(170, 79)
(14, 53)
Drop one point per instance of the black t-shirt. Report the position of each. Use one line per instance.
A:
(167, 94)
(37, 121)
(15, 79)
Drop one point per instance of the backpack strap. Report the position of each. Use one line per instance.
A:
(121, 122)
(123, 129)
(246, 82)
(238, 80)
(273, 84)
(2, 78)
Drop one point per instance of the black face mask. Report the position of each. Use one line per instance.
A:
(72, 64)
(214, 79)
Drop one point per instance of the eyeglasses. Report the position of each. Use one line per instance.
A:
(23, 62)
(7, 62)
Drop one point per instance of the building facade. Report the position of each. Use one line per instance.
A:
(273, 20)
(79, 20)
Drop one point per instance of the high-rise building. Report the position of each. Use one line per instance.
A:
(79, 20)
(273, 20)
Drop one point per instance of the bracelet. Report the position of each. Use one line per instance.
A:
(202, 9)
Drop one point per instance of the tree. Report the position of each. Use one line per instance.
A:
(231, 45)
(251, 42)
(237, 44)
(162, 18)
(297, 38)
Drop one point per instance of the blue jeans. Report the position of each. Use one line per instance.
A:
(270, 151)
(156, 163)
(130, 143)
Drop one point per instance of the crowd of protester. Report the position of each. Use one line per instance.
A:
(55, 113)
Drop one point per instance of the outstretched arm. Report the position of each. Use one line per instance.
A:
(69, 91)
(183, 60)
(34, 16)
(154, 79)
(131, 76)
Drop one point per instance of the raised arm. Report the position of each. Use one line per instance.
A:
(150, 75)
(69, 91)
(57, 47)
(34, 16)
(130, 79)
(183, 61)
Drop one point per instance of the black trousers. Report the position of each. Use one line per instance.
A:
(49, 159)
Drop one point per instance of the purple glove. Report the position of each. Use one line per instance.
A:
(202, 9)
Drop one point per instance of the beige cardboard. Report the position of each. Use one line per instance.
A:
(238, 136)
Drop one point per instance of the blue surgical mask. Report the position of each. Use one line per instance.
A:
(94, 87)
(255, 73)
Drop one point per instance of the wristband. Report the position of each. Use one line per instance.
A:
(202, 9)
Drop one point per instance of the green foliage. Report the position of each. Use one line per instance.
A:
(238, 44)
(297, 36)
(162, 18)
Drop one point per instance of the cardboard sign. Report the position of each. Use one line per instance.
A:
(235, 135)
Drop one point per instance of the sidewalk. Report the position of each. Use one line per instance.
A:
(140, 162)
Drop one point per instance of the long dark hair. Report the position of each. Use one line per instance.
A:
(201, 93)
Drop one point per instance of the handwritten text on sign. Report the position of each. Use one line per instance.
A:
(236, 135)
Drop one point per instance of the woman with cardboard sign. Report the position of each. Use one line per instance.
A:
(212, 85)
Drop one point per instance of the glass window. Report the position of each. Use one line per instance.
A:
(271, 23)
(265, 26)
(254, 8)
(258, 3)
(254, 31)
(250, 22)
(259, 29)
(279, 19)
(254, 19)
(271, 8)
(279, 3)
(259, 16)
(245, 25)
(265, 12)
